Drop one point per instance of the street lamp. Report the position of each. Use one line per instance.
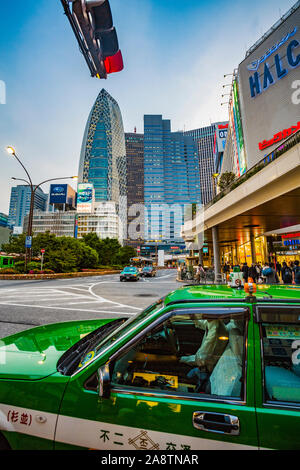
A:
(214, 176)
(33, 189)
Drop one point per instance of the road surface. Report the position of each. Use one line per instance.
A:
(25, 304)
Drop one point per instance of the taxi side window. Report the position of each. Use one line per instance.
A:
(187, 354)
(281, 362)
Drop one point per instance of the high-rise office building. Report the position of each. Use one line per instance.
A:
(210, 141)
(20, 204)
(3, 220)
(60, 223)
(171, 172)
(103, 154)
(135, 187)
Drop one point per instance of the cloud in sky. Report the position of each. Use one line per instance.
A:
(175, 52)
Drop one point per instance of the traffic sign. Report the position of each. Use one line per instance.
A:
(28, 242)
(42, 250)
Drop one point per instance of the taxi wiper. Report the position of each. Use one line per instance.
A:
(70, 359)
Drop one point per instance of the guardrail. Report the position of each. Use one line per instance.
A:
(277, 152)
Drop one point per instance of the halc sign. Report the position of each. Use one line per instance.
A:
(274, 71)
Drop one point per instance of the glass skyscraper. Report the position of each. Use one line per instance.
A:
(171, 178)
(103, 155)
(19, 206)
(135, 187)
(208, 140)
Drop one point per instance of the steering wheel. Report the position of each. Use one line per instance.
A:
(172, 338)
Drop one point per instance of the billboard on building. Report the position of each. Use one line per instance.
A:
(269, 88)
(236, 129)
(85, 198)
(221, 130)
(58, 193)
(62, 194)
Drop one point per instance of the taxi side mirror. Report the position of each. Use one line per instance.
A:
(104, 381)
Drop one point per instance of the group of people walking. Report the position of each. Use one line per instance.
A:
(270, 273)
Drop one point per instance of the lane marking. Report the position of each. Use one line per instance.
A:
(109, 301)
(64, 308)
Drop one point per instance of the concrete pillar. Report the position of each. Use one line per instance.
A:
(235, 254)
(200, 246)
(217, 266)
(253, 249)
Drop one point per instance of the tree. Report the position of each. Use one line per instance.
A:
(109, 249)
(61, 261)
(62, 254)
(16, 244)
(226, 179)
(123, 255)
(106, 248)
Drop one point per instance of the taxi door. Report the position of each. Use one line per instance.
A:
(277, 333)
(152, 398)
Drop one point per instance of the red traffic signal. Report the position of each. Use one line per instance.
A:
(92, 24)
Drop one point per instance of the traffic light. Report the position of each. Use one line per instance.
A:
(92, 24)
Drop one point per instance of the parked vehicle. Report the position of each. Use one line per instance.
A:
(207, 367)
(6, 261)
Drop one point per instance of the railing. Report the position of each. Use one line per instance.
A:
(263, 163)
(272, 29)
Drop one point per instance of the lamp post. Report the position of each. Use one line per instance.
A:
(214, 176)
(33, 189)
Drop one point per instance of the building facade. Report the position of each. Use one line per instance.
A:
(210, 141)
(19, 205)
(257, 219)
(171, 178)
(3, 220)
(267, 80)
(135, 188)
(103, 154)
(103, 220)
(59, 223)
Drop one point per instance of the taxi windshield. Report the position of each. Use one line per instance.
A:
(129, 270)
(95, 348)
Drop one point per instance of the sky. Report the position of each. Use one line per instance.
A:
(175, 53)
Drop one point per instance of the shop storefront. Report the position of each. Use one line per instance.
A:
(287, 248)
(244, 253)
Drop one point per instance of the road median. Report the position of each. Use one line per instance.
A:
(29, 277)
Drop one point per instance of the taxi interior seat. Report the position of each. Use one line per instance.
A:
(225, 379)
(282, 384)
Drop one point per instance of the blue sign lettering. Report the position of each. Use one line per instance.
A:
(291, 60)
(259, 83)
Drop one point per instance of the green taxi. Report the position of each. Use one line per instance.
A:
(207, 367)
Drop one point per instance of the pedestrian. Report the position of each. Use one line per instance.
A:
(245, 271)
(296, 273)
(286, 274)
(270, 274)
(199, 270)
(278, 268)
(252, 272)
(226, 268)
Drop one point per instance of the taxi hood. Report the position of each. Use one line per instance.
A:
(33, 354)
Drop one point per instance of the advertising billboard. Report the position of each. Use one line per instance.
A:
(85, 198)
(58, 193)
(237, 131)
(269, 88)
(62, 194)
(221, 131)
